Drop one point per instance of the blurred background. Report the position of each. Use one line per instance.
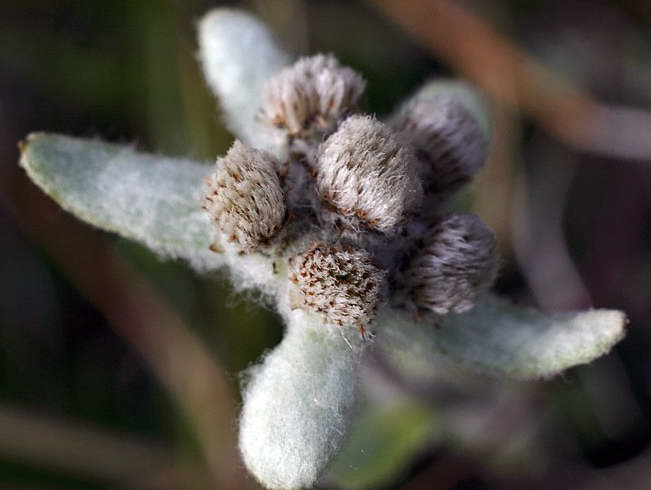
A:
(121, 371)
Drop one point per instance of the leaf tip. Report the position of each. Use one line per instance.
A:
(612, 323)
(598, 331)
(25, 146)
(24, 143)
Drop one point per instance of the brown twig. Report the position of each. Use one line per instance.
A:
(506, 73)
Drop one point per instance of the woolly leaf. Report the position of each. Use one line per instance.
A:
(299, 402)
(154, 200)
(497, 337)
(238, 55)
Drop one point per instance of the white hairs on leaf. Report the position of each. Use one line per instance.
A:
(244, 198)
(366, 177)
(148, 198)
(299, 402)
(499, 338)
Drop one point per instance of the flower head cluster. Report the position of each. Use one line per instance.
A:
(361, 189)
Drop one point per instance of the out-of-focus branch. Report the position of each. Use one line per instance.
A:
(538, 240)
(510, 76)
(86, 451)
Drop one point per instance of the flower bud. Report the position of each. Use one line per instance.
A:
(312, 95)
(448, 141)
(244, 198)
(341, 283)
(366, 177)
(456, 263)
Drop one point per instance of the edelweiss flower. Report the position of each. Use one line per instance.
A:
(338, 218)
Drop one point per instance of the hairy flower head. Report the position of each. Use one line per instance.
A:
(447, 139)
(366, 178)
(244, 199)
(311, 96)
(342, 283)
(456, 263)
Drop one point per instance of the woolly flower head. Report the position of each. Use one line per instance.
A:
(448, 140)
(311, 96)
(341, 283)
(365, 178)
(340, 220)
(456, 262)
(244, 199)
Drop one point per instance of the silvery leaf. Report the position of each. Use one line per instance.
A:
(151, 199)
(497, 337)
